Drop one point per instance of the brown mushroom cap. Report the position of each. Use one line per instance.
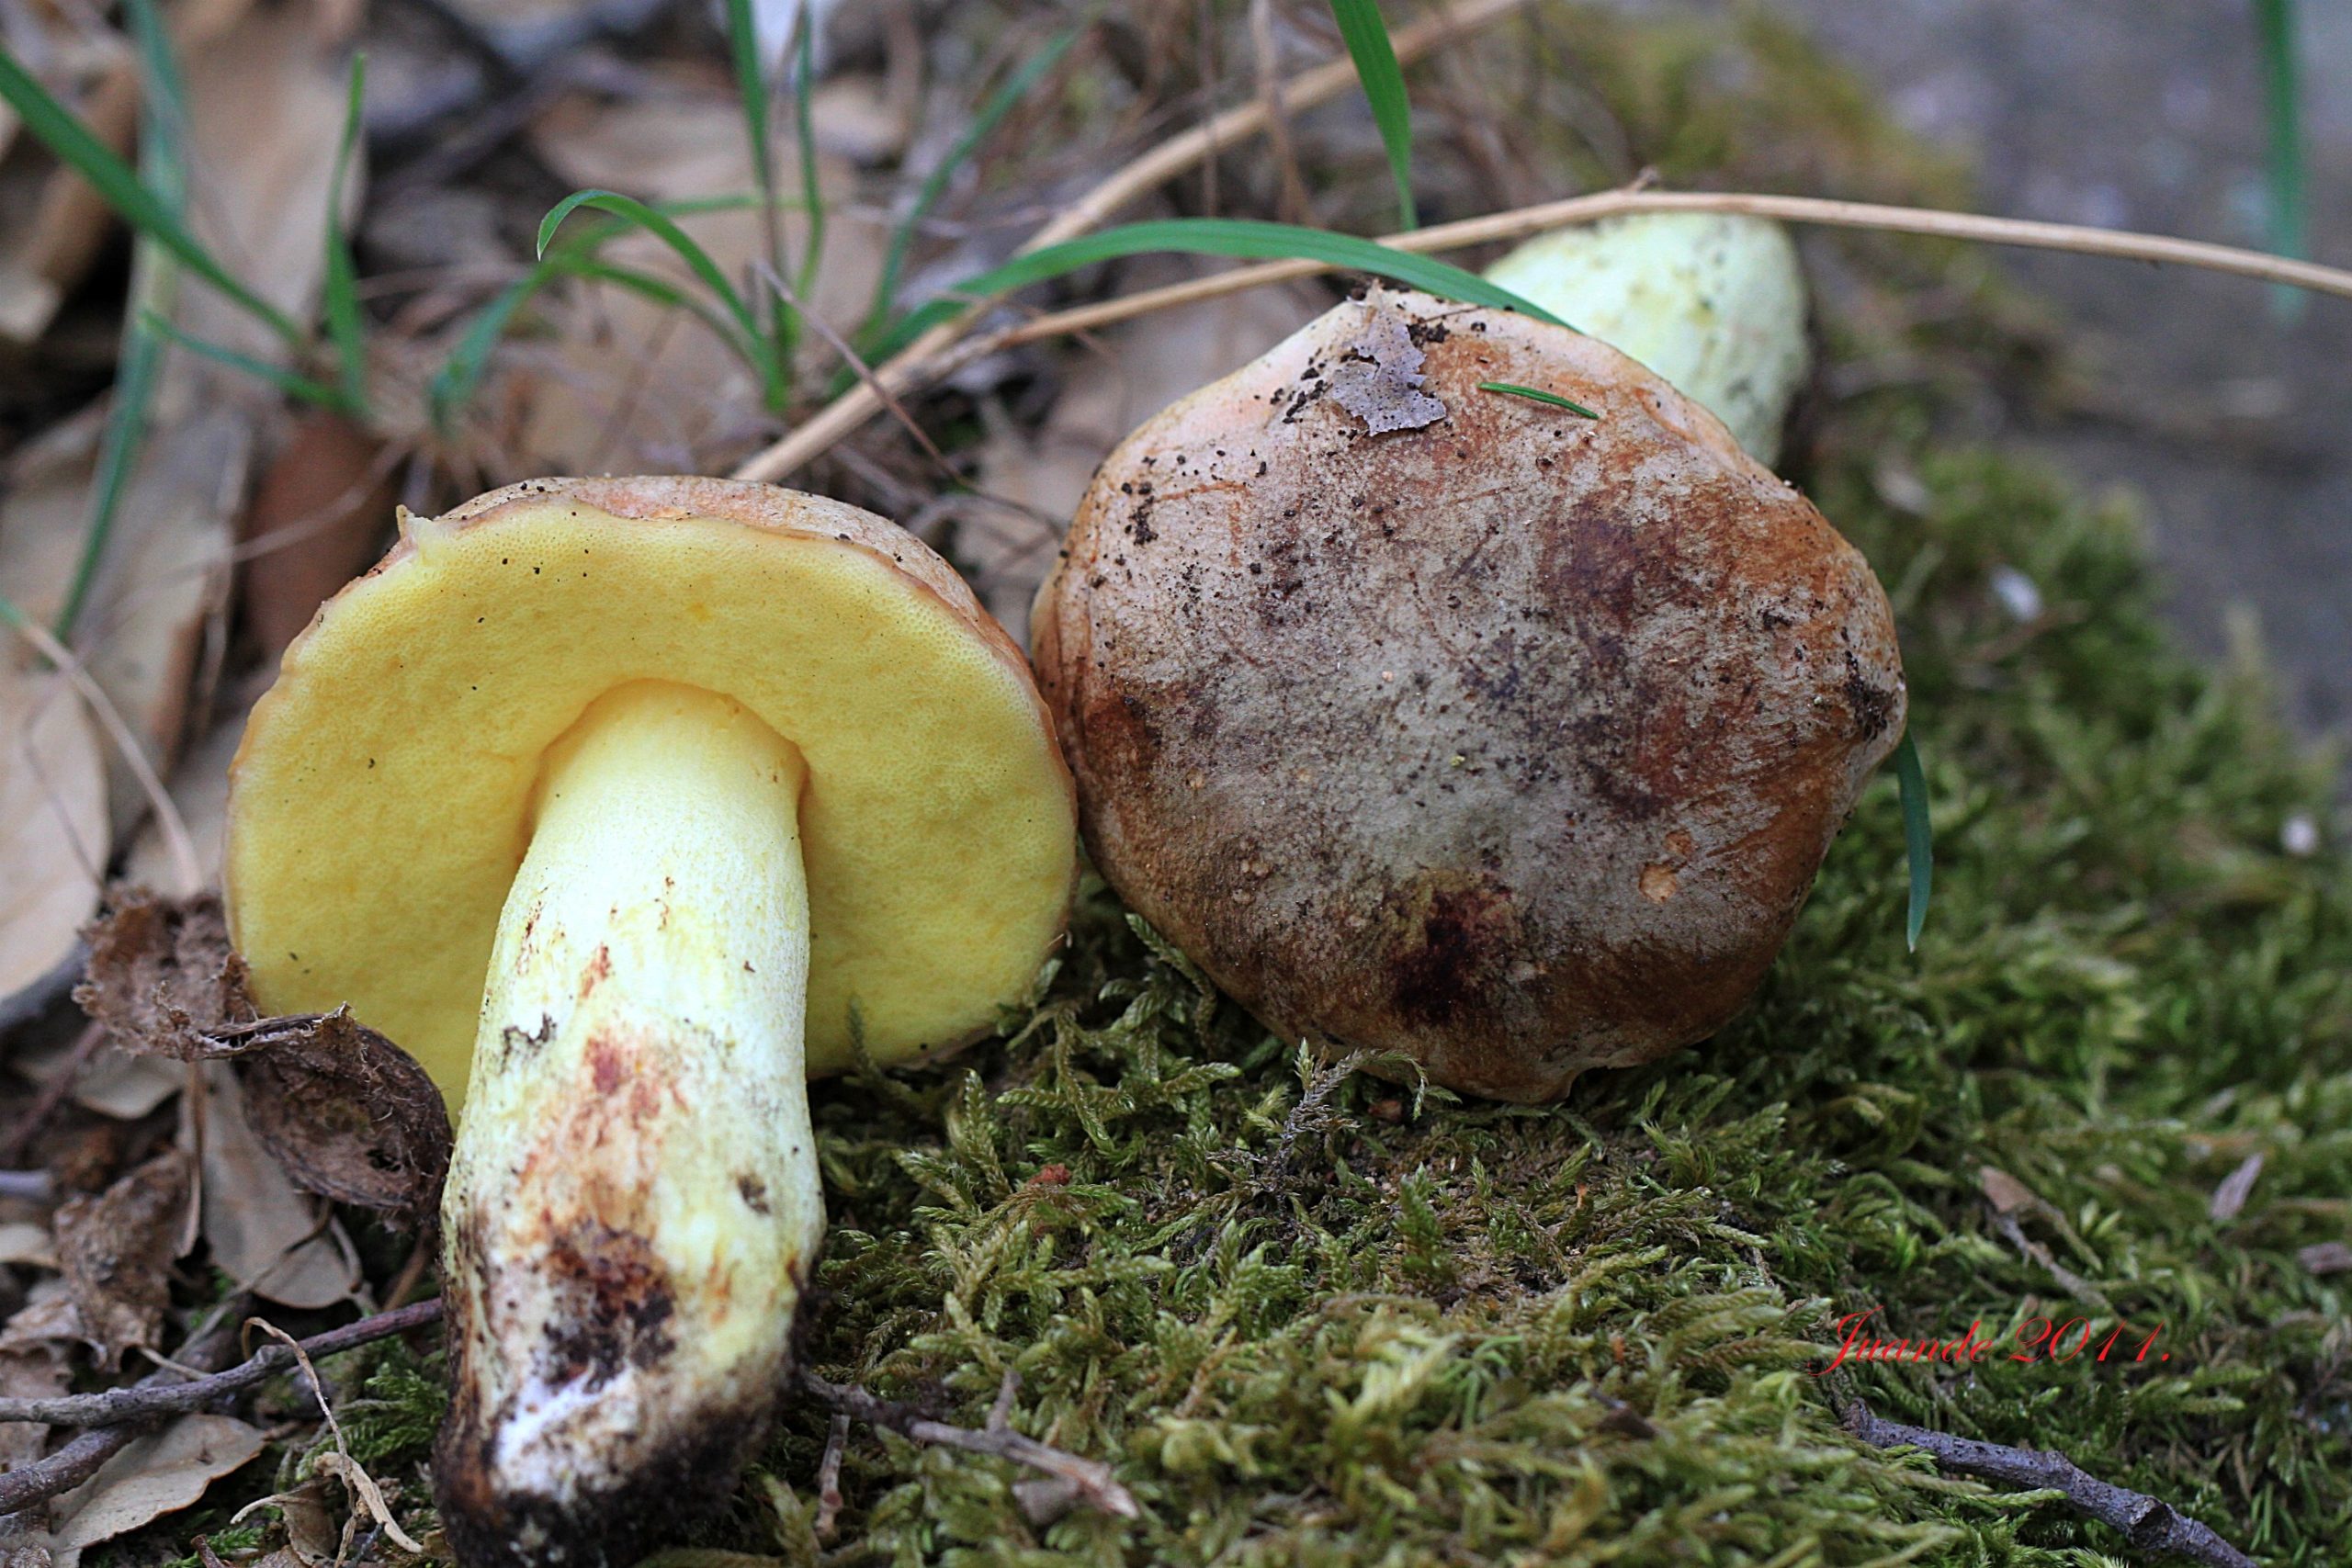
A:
(1442, 721)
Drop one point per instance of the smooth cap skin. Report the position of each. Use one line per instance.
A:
(1441, 721)
(1713, 302)
(382, 799)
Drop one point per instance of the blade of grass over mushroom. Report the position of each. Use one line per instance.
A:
(1236, 237)
(2283, 118)
(346, 329)
(58, 128)
(1537, 394)
(999, 103)
(1918, 837)
(756, 348)
(1384, 87)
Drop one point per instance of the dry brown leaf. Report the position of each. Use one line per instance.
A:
(265, 94)
(53, 833)
(46, 1322)
(348, 1114)
(1139, 368)
(2229, 1197)
(2005, 1192)
(22, 1241)
(324, 500)
(154, 1477)
(263, 1232)
(199, 787)
(627, 384)
(58, 223)
(162, 978)
(32, 1373)
(2326, 1257)
(116, 1249)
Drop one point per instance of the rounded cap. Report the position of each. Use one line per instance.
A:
(381, 800)
(1442, 721)
(1713, 302)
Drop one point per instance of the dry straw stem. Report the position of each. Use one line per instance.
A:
(914, 365)
(921, 363)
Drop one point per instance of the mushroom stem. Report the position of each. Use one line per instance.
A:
(634, 1205)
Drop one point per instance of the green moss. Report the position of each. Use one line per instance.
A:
(1317, 1320)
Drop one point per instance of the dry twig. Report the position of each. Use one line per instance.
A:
(2147, 1524)
(1091, 1479)
(938, 354)
(83, 1458)
(828, 1477)
(151, 1397)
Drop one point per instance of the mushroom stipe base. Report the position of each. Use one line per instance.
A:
(634, 1203)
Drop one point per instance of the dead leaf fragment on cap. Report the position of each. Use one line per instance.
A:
(1378, 379)
(116, 1250)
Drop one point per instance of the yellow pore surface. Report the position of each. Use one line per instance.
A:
(382, 797)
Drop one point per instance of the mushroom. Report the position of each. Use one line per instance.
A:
(1713, 302)
(640, 801)
(1443, 722)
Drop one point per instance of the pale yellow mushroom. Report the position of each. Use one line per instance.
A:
(632, 804)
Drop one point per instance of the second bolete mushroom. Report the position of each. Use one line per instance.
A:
(1443, 721)
(631, 803)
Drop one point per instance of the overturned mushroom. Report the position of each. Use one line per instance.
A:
(1442, 721)
(643, 800)
(1713, 302)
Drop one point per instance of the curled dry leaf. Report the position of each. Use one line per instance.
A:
(116, 1250)
(154, 1477)
(264, 1231)
(346, 1113)
(54, 837)
(163, 977)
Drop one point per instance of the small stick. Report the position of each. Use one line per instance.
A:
(1091, 1478)
(2147, 1524)
(85, 1455)
(149, 1398)
(925, 362)
(828, 1477)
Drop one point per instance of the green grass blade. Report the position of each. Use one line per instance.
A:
(1537, 394)
(751, 85)
(346, 329)
(1384, 87)
(1244, 238)
(2283, 115)
(812, 196)
(747, 340)
(163, 106)
(1918, 837)
(292, 383)
(999, 104)
(59, 129)
(118, 444)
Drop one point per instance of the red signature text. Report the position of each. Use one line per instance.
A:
(2037, 1339)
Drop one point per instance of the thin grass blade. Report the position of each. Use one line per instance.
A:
(61, 131)
(999, 104)
(292, 383)
(1366, 37)
(345, 328)
(812, 196)
(1245, 238)
(1918, 837)
(2283, 97)
(749, 342)
(1537, 394)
